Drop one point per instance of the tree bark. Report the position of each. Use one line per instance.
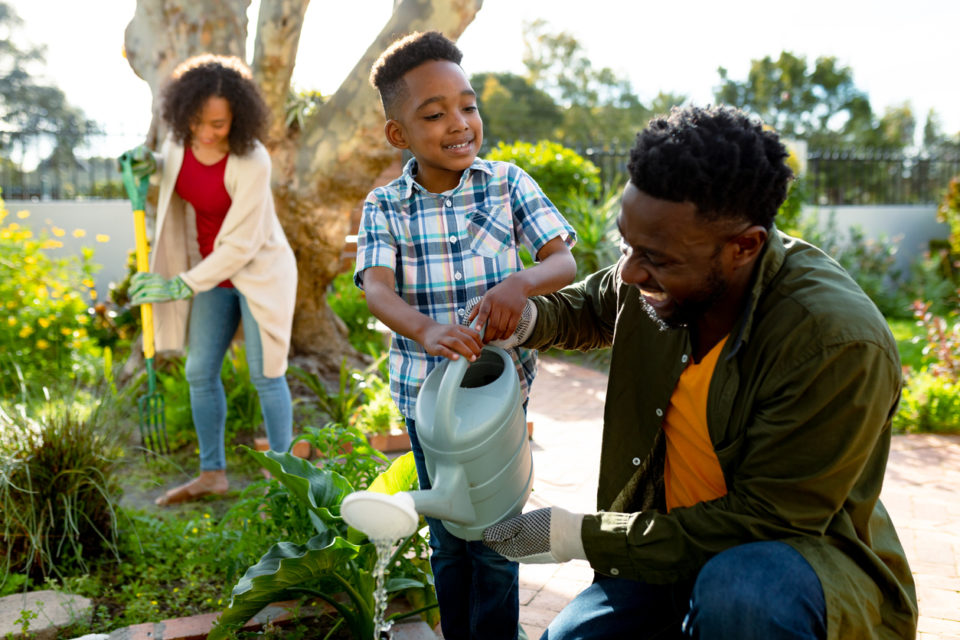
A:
(321, 172)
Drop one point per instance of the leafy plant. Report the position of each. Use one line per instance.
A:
(45, 331)
(596, 227)
(379, 413)
(346, 450)
(349, 302)
(338, 406)
(336, 565)
(561, 172)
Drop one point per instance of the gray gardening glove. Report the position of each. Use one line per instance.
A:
(528, 320)
(541, 536)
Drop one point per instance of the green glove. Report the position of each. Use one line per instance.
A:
(152, 287)
(142, 161)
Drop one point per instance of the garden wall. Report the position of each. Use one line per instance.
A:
(914, 225)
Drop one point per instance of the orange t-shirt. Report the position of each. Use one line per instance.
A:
(692, 472)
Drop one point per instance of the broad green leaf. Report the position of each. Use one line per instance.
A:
(400, 476)
(286, 565)
(320, 489)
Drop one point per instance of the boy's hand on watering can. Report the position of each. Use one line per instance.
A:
(541, 536)
(522, 330)
(500, 309)
(152, 287)
(452, 340)
(142, 161)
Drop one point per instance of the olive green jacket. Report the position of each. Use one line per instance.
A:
(799, 412)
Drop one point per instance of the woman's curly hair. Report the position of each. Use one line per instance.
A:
(401, 56)
(204, 76)
(724, 162)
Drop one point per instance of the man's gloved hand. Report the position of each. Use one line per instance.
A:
(528, 320)
(541, 536)
(152, 287)
(142, 161)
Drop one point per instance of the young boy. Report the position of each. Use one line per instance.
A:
(443, 233)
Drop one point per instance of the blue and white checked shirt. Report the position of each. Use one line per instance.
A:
(447, 248)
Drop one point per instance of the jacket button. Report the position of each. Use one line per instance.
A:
(614, 571)
(636, 462)
(684, 358)
(659, 413)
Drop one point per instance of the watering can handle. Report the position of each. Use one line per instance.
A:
(445, 416)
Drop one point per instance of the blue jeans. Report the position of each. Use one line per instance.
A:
(214, 317)
(477, 588)
(755, 591)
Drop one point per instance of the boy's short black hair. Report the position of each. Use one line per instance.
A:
(403, 55)
(720, 159)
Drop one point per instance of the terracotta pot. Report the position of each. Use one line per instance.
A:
(392, 442)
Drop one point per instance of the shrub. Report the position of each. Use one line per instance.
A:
(350, 304)
(597, 236)
(45, 331)
(561, 172)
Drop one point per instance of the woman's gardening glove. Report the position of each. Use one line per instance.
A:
(152, 287)
(541, 536)
(142, 161)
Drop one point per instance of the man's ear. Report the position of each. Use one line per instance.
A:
(395, 133)
(748, 244)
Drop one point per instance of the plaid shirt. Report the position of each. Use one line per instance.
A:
(445, 249)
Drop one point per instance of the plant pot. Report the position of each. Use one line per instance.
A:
(393, 442)
(300, 449)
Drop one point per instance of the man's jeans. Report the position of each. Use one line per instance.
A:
(214, 317)
(756, 591)
(477, 588)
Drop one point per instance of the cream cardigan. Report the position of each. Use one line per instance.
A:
(250, 250)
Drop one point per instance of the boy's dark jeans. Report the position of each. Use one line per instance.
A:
(477, 588)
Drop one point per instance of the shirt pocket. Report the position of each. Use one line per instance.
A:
(490, 231)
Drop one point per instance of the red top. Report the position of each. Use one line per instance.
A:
(202, 186)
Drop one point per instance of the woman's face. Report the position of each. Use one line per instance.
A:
(211, 125)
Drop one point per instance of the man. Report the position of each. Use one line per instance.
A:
(747, 420)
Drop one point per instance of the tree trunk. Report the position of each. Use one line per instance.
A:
(321, 172)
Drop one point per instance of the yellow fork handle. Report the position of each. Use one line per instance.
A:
(143, 265)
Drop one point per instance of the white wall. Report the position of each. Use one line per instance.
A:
(910, 226)
(110, 218)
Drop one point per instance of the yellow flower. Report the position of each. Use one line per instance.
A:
(66, 330)
(79, 233)
(13, 226)
(57, 231)
(42, 292)
(23, 214)
(87, 282)
(26, 234)
(25, 332)
(93, 294)
(52, 244)
(176, 589)
(153, 602)
(81, 319)
(102, 237)
(12, 304)
(11, 321)
(195, 530)
(42, 344)
(43, 322)
(206, 515)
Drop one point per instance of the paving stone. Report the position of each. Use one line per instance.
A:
(53, 610)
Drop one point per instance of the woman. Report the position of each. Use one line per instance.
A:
(220, 256)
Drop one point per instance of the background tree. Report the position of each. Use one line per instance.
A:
(30, 109)
(327, 154)
(513, 109)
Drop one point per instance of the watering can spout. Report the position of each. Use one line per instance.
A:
(449, 500)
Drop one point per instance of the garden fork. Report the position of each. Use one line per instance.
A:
(153, 425)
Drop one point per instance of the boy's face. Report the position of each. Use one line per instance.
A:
(438, 122)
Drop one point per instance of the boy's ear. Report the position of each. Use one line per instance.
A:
(395, 133)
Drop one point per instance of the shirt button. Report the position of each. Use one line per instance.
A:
(682, 358)
(614, 571)
(636, 462)
(453, 239)
(449, 203)
(461, 312)
(458, 275)
(659, 413)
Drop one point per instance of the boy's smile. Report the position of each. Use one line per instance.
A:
(439, 123)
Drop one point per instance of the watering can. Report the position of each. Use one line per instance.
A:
(472, 428)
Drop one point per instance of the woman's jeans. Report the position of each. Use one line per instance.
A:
(214, 317)
(756, 591)
(477, 588)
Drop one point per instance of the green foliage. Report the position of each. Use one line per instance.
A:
(379, 413)
(597, 236)
(910, 342)
(339, 406)
(949, 212)
(45, 331)
(561, 172)
(336, 565)
(58, 485)
(350, 303)
(513, 109)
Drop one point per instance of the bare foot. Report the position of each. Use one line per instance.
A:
(207, 483)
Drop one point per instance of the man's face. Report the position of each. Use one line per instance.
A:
(673, 256)
(439, 122)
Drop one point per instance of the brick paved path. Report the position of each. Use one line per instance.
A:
(921, 492)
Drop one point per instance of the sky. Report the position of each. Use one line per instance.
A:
(899, 52)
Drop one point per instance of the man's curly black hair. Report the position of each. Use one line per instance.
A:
(717, 158)
(403, 55)
(201, 77)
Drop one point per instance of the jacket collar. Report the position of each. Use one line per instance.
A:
(772, 259)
